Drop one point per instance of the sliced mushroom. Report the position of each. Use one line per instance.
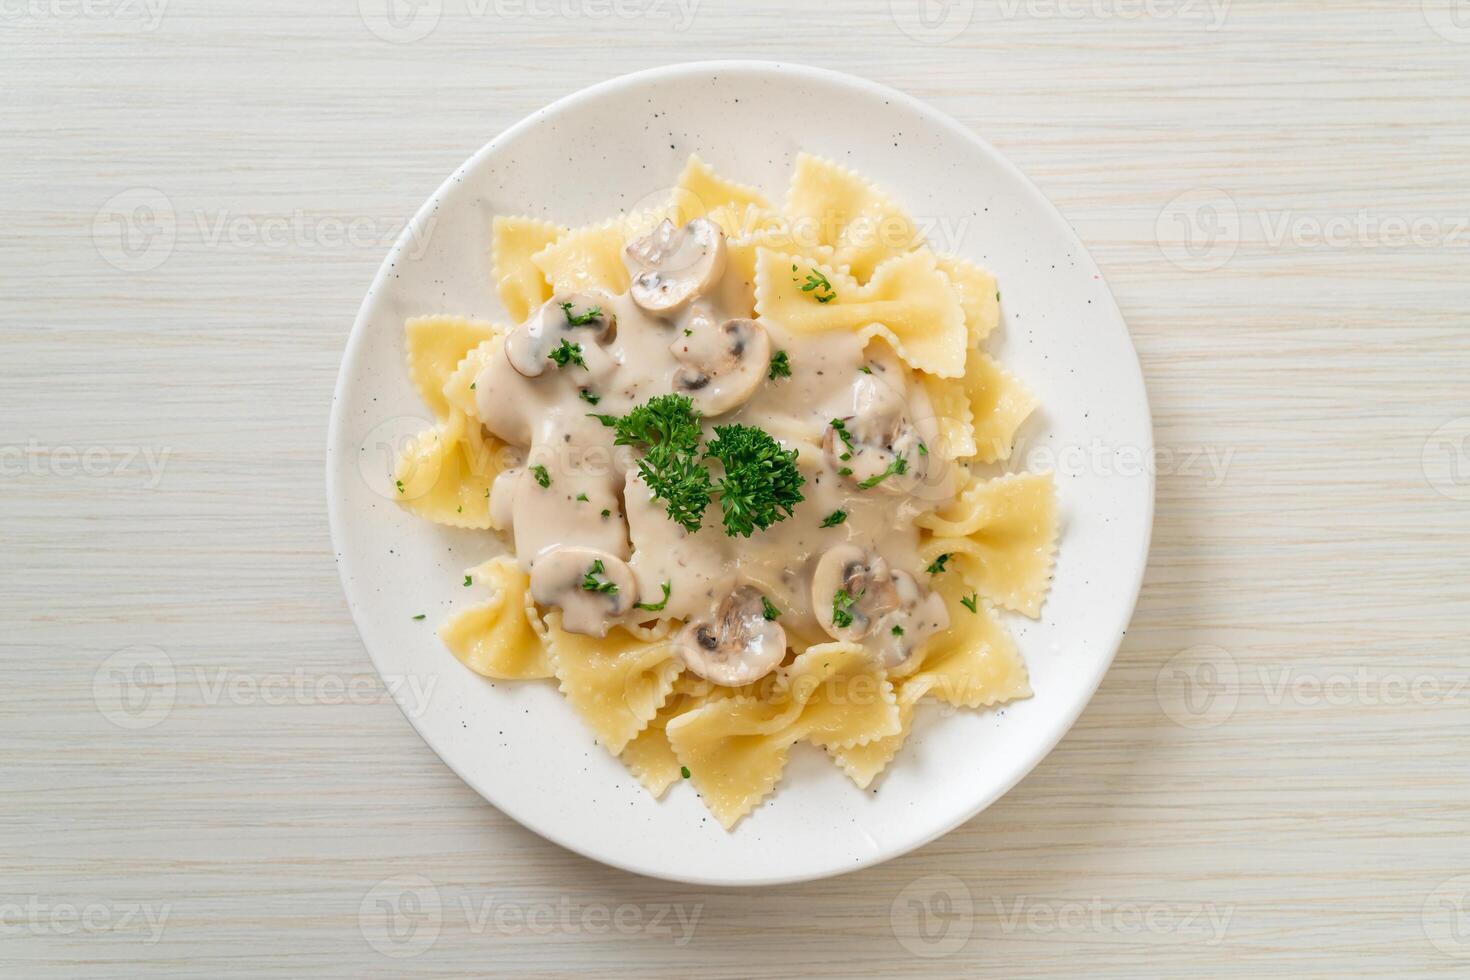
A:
(527, 346)
(859, 598)
(878, 434)
(590, 587)
(738, 645)
(673, 266)
(722, 365)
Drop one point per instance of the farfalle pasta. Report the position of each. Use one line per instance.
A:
(738, 455)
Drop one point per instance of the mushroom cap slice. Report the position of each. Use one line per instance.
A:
(527, 346)
(884, 608)
(738, 645)
(672, 266)
(590, 587)
(843, 569)
(721, 366)
(879, 432)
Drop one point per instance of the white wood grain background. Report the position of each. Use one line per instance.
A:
(1272, 779)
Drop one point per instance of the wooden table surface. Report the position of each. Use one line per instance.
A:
(201, 773)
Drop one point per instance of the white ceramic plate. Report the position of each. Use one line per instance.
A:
(620, 145)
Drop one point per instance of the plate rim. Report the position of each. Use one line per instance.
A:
(356, 338)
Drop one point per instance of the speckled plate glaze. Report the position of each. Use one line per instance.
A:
(618, 146)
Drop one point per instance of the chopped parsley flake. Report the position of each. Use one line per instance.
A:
(841, 428)
(542, 477)
(937, 565)
(684, 771)
(780, 366)
(568, 353)
(591, 584)
(865, 369)
(399, 485)
(835, 518)
(845, 471)
(656, 606)
(899, 466)
(842, 601)
(606, 512)
(768, 609)
(923, 449)
(970, 601)
(467, 581)
(898, 631)
(818, 285)
(419, 616)
(581, 319)
(590, 397)
(582, 497)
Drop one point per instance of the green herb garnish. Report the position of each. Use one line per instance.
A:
(582, 497)
(842, 601)
(568, 353)
(666, 428)
(769, 610)
(591, 584)
(970, 601)
(937, 565)
(590, 397)
(684, 771)
(835, 518)
(761, 484)
(819, 287)
(898, 467)
(542, 477)
(841, 428)
(865, 369)
(467, 581)
(923, 449)
(581, 319)
(656, 606)
(898, 631)
(419, 616)
(399, 485)
(606, 512)
(780, 366)
(845, 471)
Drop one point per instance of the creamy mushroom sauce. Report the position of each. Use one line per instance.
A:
(594, 498)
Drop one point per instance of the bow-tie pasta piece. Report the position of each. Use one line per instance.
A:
(908, 302)
(498, 638)
(736, 748)
(863, 226)
(1001, 537)
(520, 285)
(615, 683)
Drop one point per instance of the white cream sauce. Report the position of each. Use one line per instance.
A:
(594, 498)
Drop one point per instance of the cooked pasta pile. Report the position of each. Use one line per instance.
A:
(988, 545)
